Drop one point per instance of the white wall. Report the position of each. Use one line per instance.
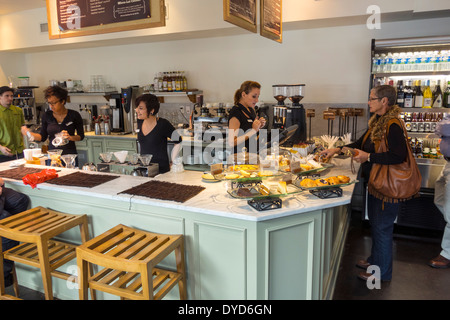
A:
(334, 62)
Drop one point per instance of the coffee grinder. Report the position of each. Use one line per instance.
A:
(296, 114)
(279, 111)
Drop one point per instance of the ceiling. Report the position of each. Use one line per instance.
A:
(11, 6)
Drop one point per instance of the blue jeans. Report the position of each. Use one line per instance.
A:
(382, 228)
(11, 202)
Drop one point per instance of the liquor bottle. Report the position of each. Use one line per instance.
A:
(408, 121)
(418, 99)
(400, 94)
(156, 82)
(160, 82)
(421, 122)
(437, 96)
(165, 81)
(409, 95)
(169, 82)
(414, 122)
(427, 95)
(446, 99)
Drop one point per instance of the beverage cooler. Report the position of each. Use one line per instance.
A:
(419, 69)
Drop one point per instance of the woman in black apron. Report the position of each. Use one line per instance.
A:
(243, 124)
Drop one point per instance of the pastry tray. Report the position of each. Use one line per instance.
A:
(324, 167)
(297, 184)
(255, 194)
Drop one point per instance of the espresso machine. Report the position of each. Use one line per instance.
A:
(285, 116)
(123, 113)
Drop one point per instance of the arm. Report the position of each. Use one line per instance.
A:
(355, 145)
(234, 126)
(397, 149)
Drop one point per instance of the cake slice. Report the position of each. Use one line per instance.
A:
(281, 187)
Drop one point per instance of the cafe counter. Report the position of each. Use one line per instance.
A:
(233, 251)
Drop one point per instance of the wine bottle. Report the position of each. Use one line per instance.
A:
(446, 99)
(418, 99)
(437, 96)
(427, 95)
(400, 94)
(409, 95)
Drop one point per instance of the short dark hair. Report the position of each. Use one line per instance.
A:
(6, 89)
(151, 102)
(56, 91)
(387, 91)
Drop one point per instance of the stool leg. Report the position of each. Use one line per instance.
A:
(16, 284)
(2, 277)
(181, 268)
(84, 231)
(45, 269)
(83, 279)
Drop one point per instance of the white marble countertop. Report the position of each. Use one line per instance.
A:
(214, 200)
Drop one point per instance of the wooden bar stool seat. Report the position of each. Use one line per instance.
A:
(35, 229)
(129, 258)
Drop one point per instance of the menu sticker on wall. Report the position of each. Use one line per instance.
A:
(77, 14)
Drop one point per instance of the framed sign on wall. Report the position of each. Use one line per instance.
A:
(241, 13)
(271, 24)
(73, 18)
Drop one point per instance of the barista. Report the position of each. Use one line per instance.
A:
(59, 119)
(243, 124)
(154, 131)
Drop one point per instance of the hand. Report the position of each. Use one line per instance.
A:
(263, 122)
(6, 151)
(328, 153)
(256, 124)
(65, 135)
(360, 156)
(24, 130)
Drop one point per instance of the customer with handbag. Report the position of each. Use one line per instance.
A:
(390, 173)
(442, 194)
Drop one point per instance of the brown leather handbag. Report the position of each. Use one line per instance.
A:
(395, 182)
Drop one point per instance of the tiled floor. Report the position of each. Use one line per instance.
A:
(412, 277)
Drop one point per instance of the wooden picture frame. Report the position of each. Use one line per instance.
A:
(271, 24)
(241, 13)
(102, 17)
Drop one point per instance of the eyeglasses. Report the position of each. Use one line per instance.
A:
(371, 99)
(53, 103)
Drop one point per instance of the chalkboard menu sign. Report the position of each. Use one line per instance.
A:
(97, 12)
(68, 18)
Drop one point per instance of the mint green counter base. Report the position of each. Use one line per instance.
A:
(290, 256)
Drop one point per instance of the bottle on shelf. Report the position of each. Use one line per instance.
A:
(418, 98)
(156, 82)
(165, 81)
(437, 96)
(409, 95)
(400, 94)
(446, 97)
(427, 95)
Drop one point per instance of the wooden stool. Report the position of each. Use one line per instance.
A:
(129, 257)
(34, 228)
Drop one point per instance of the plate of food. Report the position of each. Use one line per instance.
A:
(273, 189)
(209, 178)
(324, 183)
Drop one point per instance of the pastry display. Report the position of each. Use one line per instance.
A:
(265, 173)
(264, 190)
(343, 179)
(308, 183)
(321, 182)
(333, 180)
(232, 176)
(244, 173)
(245, 167)
(244, 192)
(208, 176)
(281, 187)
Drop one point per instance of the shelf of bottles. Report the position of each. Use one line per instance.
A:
(170, 81)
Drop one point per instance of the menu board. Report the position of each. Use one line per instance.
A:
(76, 14)
(271, 19)
(69, 18)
